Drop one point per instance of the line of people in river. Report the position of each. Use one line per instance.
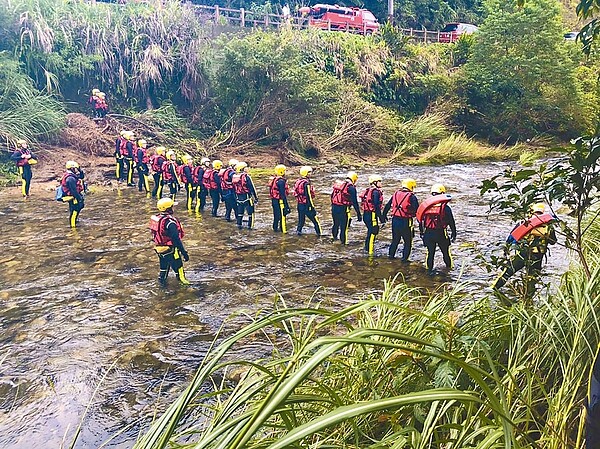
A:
(233, 185)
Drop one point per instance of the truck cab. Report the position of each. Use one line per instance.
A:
(341, 18)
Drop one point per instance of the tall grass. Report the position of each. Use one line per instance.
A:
(400, 370)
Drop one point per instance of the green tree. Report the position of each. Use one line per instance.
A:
(520, 81)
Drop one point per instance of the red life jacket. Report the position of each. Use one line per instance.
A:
(274, 192)
(124, 151)
(225, 175)
(434, 217)
(145, 157)
(530, 225)
(196, 176)
(367, 199)
(340, 195)
(23, 161)
(240, 183)
(299, 189)
(158, 224)
(430, 202)
(181, 173)
(65, 187)
(401, 206)
(100, 103)
(167, 172)
(208, 179)
(157, 161)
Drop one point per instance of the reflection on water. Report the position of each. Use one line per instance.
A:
(76, 301)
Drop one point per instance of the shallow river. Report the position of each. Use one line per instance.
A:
(76, 301)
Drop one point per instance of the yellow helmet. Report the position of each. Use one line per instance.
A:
(240, 167)
(95, 91)
(122, 133)
(233, 162)
(352, 176)
(21, 142)
(129, 135)
(142, 143)
(438, 188)
(305, 171)
(280, 170)
(538, 208)
(409, 183)
(101, 94)
(205, 161)
(374, 178)
(217, 164)
(170, 153)
(188, 158)
(71, 164)
(160, 150)
(164, 203)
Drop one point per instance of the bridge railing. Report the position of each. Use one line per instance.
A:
(251, 19)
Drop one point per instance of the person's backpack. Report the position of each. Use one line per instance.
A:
(59, 193)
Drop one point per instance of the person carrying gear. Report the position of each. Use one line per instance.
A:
(227, 190)
(101, 105)
(156, 162)
(119, 143)
(169, 174)
(305, 194)
(167, 233)
(343, 197)
(372, 206)
(73, 191)
(245, 194)
(128, 151)
(141, 163)
(187, 177)
(202, 192)
(537, 233)
(433, 229)
(212, 182)
(24, 159)
(278, 189)
(403, 205)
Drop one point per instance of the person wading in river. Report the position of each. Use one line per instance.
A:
(343, 197)
(167, 233)
(433, 225)
(305, 194)
(403, 205)
(24, 159)
(73, 190)
(278, 190)
(532, 237)
(245, 194)
(227, 190)
(372, 205)
(156, 162)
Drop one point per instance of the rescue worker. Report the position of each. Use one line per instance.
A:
(530, 253)
(128, 151)
(202, 192)
(212, 183)
(120, 168)
(305, 194)
(24, 159)
(101, 105)
(156, 162)
(278, 189)
(141, 163)
(187, 177)
(73, 191)
(372, 206)
(167, 233)
(93, 101)
(403, 205)
(433, 230)
(245, 194)
(343, 197)
(169, 174)
(227, 190)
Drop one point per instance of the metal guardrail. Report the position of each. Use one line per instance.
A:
(249, 19)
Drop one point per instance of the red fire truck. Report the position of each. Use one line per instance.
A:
(335, 17)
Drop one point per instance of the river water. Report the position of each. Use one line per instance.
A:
(81, 308)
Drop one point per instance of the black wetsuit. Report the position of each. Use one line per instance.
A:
(372, 219)
(280, 205)
(341, 216)
(402, 222)
(436, 235)
(24, 168)
(306, 208)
